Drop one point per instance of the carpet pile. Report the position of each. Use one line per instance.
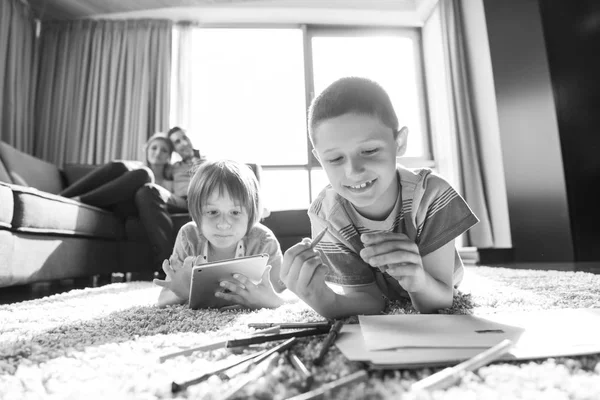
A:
(105, 342)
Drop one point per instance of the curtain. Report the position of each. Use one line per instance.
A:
(17, 74)
(104, 88)
(464, 129)
(182, 76)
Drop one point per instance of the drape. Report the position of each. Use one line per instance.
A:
(104, 88)
(17, 74)
(182, 74)
(464, 129)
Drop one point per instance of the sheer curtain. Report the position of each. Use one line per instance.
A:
(182, 74)
(463, 126)
(104, 88)
(17, 74)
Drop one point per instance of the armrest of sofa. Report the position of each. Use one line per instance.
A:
(74, 172)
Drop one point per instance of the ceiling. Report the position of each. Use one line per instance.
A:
(379, 12)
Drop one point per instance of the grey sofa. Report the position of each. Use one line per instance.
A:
(45, 237)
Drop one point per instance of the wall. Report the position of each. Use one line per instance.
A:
(572, 33)
(533, 167)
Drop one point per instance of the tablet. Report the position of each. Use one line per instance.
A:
(207, 277)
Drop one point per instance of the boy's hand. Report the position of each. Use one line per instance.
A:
(244, 292)
(178, 281)
(303, 273)
(397, 255)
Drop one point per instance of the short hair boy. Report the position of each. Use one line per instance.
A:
(391, 230)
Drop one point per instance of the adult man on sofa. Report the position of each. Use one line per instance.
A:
(155, 203)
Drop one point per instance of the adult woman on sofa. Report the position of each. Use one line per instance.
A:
(113, 185)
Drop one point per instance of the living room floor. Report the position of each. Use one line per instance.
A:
(20, 293)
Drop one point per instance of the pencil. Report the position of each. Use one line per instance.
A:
(449, 376)
(317, 239)
(307, 377)
(245, 366)
(179, 386)
(260, 369)
(331, 336)
(318, 393)
(291, 325)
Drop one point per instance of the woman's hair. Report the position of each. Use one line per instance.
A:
(229, 176)
(165, 139)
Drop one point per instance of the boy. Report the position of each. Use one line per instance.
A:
(391, 230)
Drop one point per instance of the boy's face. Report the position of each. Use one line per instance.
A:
(358, 154)
(223, 222)
(182, 144)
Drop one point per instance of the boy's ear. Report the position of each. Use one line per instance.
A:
(401, 139)
(316, 156)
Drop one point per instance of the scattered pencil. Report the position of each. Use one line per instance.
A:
(307, 376)
(449, 376)
(329, 340)
(318, 393)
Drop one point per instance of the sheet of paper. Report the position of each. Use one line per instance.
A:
(382, 332)
(548, 333)
(352, 346)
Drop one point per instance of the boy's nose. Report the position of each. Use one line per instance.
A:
(354, 167)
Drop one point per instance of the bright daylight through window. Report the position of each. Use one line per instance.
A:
(249, 96)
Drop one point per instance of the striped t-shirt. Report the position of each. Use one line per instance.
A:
(428, 210)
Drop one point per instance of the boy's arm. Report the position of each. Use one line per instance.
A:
(438, 290)
(304, 274)
(428, 279)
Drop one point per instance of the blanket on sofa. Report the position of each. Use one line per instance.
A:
(104, 343)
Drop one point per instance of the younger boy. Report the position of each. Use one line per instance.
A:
(391, 230)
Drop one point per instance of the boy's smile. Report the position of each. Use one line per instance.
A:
(358, 154)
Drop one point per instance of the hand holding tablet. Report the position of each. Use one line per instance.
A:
(206, 279)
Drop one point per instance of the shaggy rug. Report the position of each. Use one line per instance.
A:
(104, 343)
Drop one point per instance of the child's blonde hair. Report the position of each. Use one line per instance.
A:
(229, 176)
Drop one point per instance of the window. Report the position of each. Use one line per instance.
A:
(251, 88)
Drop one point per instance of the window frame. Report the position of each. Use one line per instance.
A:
(310, 31)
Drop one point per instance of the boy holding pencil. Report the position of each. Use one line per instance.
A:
(390, 230)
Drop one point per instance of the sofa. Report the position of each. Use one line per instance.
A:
(46, 237)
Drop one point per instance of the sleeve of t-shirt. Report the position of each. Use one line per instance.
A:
(442, 215)
(272, 248)
(183, 246)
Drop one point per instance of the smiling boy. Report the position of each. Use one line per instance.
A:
(391, 230)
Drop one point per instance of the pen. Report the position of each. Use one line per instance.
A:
(291, 325)
(178, 386)
(317, 239)
(307, 377)
(242, 367)
(449, 376)
(356, 377)
(331, 336)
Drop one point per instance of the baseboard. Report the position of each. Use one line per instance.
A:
(483, 256)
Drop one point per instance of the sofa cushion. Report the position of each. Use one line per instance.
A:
(136, 233)
(7, 205)
(4, 176)
(40, 212)
(31, 170)
(289, 226)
